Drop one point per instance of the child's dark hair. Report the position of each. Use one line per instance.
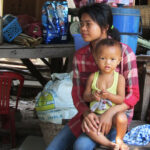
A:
(107, 42)
(102, 14)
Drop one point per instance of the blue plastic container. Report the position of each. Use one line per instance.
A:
(127, 20)
(78, 41)
(11, 28)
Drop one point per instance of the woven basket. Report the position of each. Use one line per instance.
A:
(49, 130)
(145, 14)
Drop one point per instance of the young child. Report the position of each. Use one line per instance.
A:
(107, 87)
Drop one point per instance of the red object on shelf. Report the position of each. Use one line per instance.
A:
(7, 114)
(30, 25)
(34, 30)
(25, 21)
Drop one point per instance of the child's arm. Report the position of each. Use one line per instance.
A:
(88, 96)
(120, 96)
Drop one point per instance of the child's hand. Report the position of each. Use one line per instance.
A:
(96, 95)
(104, 94)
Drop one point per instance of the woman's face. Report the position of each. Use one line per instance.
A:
(90, 30)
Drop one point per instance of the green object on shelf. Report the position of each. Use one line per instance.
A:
(143, 42)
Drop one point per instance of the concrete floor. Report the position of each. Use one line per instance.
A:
(33, 143)
(28, 134)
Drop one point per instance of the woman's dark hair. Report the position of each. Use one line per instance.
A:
(101, 13)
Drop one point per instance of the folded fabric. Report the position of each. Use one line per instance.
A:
(139, 135)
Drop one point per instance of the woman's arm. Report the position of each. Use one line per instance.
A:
(120, 96)
(130, 73)
(90, 120)
(77, 88)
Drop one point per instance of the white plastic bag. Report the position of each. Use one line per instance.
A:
(55, 102)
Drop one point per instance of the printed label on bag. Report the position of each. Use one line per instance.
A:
(45, 102)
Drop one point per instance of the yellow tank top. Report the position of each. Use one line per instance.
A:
(112, 89)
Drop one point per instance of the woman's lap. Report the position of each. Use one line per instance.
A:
(65, 140)
(83, 142)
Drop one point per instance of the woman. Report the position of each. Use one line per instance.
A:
(96, 24)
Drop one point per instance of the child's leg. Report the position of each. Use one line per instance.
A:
(121, 123)
(102, 140)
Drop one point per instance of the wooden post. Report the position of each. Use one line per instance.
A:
(1, 30)
(1, 8)
(133, 2)
(146, 93)
(34, 71)
(1, 24)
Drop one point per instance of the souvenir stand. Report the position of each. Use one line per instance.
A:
(67, 50)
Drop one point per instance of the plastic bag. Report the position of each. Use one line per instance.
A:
(55, 102)
(55, 21)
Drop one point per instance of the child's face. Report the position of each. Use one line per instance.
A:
(90, 30)
(108, 58)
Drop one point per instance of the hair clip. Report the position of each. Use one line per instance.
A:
(112, 27)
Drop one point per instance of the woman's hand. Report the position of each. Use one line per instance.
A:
(90, 122)
(105, 122)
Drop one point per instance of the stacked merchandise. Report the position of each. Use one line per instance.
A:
(80, 3)
(55, 21)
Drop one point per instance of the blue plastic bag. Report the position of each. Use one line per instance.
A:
(55, 21)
